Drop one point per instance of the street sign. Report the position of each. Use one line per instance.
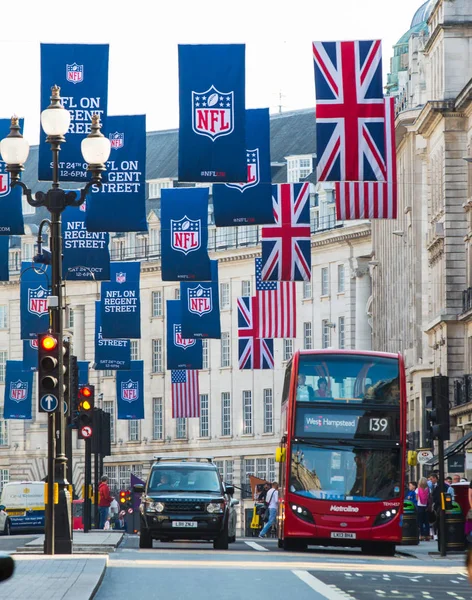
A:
(49, 403)
(423, 456)
(86, 431)
(130, 511)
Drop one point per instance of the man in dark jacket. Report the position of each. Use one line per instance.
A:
(104, 501)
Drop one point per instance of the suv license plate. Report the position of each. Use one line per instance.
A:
(343, 535)
(184, 524)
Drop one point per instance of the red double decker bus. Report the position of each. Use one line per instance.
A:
(342, 453)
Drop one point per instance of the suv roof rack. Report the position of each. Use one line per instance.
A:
(184, 458)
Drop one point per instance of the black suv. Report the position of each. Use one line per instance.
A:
(185, 499)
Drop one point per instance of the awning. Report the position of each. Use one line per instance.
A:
(453, 449)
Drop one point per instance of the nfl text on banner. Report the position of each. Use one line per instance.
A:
(81, 71)
(34, 292)
(249, 203)
(119, 203)
(30, 354)
(18, 397)
(184, 235)
(85, 253)
(130, 391)
(182, 353)
(4, 255)
(212, 131)
(120, 302)
(200, 305)
(11, 214)
(110, 354)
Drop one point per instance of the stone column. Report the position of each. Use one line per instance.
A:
(363, 335)
(79, 332)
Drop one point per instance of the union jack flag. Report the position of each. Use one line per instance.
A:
(254, 353)
(372, 199)
(286, 252)
(277, 306)
(350, 111)
(185, 394)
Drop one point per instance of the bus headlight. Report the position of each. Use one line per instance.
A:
(301, 512)
(386, 516)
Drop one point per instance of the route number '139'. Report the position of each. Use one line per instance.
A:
(378, 425)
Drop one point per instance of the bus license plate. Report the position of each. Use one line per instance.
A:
(184, 524)
(343, 535)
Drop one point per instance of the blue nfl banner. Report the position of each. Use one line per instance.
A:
(130, 391)
(200, 305)
(110, 354)
(83, 371)
(119, 204)
(184, 235)
(4, 247)
(18, 398)
(86, 255)
(30, 354)
(121, 302)
(249, 203)
(212, 131)
(81, 71)
(11, 213)
(182, 353)
(34, 292)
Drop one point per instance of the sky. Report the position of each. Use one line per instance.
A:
(144, 36)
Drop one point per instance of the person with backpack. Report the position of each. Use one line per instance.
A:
(271, 501)
(423, 505)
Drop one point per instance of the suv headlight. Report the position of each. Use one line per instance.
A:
(155, 506)
(216, 507)
(386, 516)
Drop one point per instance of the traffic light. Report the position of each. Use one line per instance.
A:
(71, 395)
(85, 408)
(49, 350)
(439, 414)
(122, 498)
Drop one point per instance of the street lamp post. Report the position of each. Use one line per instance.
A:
(95, 148)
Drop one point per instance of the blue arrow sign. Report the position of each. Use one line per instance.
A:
(49, 403)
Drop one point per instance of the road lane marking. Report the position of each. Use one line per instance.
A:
(257, 546)
(317, 585)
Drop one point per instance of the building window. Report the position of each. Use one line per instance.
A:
(69, 318)
(288, 349)
(225, 349)
(134, 346)
(341, 273)
(225, 413)
(306, 290)
(249, 469)
(268, 411)
(4, 477)
(204, 416)
(157, 304)
(137, 471)
(229, 470)
(341, 339)
(245, 288)
(155, 241)
(27, 251)
(124, 477)
(3, 429)
(133, 430)
(3, 316)
(26, 208)
(224, 295)
(205, 351)
(261, 468)
(271, 469)
(108, 373)
(109, 407)
(177, 294)
(110, 472)
(307, 336)
(157, 419)
(157, 356)
(325, 334)
(324, 281)
(3, 364)
(181, 428)
(247, 412)
(220, 465)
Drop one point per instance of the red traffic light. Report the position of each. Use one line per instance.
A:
(122, 496)
(85, 391)
(48, 342)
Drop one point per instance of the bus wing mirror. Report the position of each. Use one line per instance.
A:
(280, 454)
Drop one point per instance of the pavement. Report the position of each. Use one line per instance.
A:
(93, 542)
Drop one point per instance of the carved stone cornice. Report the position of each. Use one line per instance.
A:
(435, 249)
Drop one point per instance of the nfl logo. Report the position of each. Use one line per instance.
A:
(253, 176)
(18, 390)
(129, 390)
(185, 235)
(74, 73)
(200, 300)
(120, 277)
(38, 301)
(34, 344)
(83, 206)
(213, 113)
(4, 184)
(180, 341)
(117, 140)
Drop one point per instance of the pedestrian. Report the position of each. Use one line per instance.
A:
(456, 479)
(272, 500)
(411, 494)
(422, 503)
(436, 503)
(104, 501)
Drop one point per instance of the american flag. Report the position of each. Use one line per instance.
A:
(277, 306)
(185, 394)
(286, 254)
(254, 353)
(372, 199)
(349, 111)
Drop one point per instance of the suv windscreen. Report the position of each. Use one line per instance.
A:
(185, 479)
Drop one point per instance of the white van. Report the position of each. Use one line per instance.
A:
(24, 505)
